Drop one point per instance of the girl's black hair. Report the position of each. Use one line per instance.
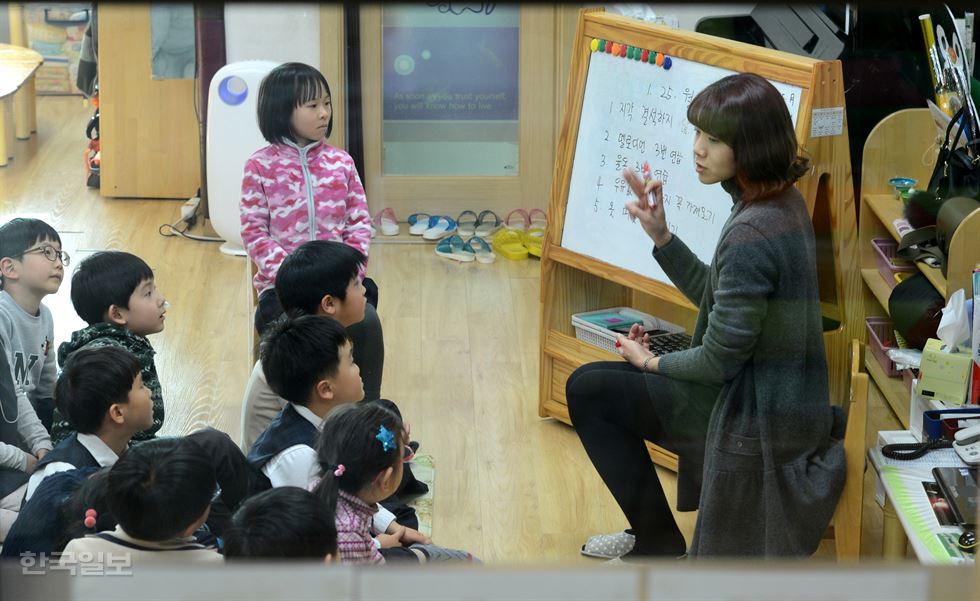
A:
(350, 438)
(91, 494)
(286, 87)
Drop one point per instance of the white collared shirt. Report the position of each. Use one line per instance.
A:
(99, 450)
(297, 466)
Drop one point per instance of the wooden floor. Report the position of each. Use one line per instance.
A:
(461, 344)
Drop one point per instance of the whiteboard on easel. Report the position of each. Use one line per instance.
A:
(635, 112)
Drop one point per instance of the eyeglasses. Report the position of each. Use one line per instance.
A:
(50, 253)
(408, 453)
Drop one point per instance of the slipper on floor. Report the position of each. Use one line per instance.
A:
(466, 223)
(440, 226)
(609, 546)
(517, 219)
(534, 240)
(510, 244)
(537, 218)
(386, 221)
(487, 222)
(481, 249)
(454, 248)
(418, 223)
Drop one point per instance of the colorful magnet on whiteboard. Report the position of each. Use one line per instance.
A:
(653, 58)
(645, 55)
(614, 49)
(594, 44)
(603, 44)
(660, 59)
(667, 62)
(622, 50)
(629, 52)
(637, 52)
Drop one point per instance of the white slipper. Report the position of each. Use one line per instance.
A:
(609, 546)
(387, 222)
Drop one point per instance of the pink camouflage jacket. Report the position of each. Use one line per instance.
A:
(285, 188)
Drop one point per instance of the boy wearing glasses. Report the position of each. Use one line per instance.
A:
(32, 266)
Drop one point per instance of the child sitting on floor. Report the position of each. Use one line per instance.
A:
(115, 293)
(285, 522)
(160, 492)
(360, 453)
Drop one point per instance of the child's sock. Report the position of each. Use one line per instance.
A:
(436, 553)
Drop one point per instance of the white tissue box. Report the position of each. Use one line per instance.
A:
(944, 376)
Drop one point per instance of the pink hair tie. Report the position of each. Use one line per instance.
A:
(90, 516)
(339, 471)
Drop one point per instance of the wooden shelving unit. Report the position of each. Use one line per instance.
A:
(904, 144)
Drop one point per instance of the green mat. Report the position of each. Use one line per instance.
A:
(425, 471)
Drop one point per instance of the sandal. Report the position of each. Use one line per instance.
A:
(481, 249)
(537, 218)
(510, 244)
(466, 223)
(487, 223)
(534, 240)
(609, 546)
(454, 248)
(418, 222)
(386, 221)
(522, 225)
(440, 226)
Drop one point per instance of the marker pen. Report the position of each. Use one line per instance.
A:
(651, 199)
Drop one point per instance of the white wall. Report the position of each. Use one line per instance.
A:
(280, 32)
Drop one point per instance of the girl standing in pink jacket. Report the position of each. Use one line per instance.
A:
(300, 188)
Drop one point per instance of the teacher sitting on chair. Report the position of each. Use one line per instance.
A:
(746, 408)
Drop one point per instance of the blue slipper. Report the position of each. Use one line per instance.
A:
(454, 248)
(418, 222)
(440, 226)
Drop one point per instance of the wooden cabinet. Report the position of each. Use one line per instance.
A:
(904, 144)
(148, 127)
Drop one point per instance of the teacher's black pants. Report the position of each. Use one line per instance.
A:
(613, 414)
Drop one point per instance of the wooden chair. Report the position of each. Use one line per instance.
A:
(253, 302)
(846, 527)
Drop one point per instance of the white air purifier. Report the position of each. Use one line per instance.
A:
(232, 136)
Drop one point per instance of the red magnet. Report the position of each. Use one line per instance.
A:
(622, 50)
(645, 56)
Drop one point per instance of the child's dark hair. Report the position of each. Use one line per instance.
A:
(159, 488)
(90, 494)
(286, 87)
(297, 353)
(283, 522)
(92, 380)
(106, 278)
(749, 114)
(314, 270)
(352, 436)
(20, 234)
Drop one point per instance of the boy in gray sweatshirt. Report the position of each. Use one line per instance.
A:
(32, 266)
